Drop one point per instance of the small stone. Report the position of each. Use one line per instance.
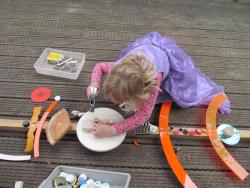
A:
(75, 113)
(90, 181)
(26, 123)
(57, 98)
(228, 132)
(63, 174)
(70, 178)
(98, 184)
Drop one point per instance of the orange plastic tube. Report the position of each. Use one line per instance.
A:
(215, 140)
(32, 128)
(173, 161)
(39, 127)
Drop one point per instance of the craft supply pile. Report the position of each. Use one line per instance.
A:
(66, 180)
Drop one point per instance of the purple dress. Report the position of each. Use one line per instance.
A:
(182, 82)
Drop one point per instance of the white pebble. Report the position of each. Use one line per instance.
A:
(98, 184)
(63, 174)
(90, 181)
(70, 178)
(74, 113)
(57, 98)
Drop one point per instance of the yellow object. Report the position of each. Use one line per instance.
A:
(32, 128)
(54, 57)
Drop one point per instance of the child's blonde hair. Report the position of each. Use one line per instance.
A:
(131, 81)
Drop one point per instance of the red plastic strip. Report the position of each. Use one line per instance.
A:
(40, 125)
(215, 140)
(173, 161)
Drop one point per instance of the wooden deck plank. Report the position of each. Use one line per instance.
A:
(102, 54)
(118, 45)
(200, 157)
(77, 93)
(122, 35)
(221, 14)
(192, 116)
(200, 61)
(32, 177)
(88, 26)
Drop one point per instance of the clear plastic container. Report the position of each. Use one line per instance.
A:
(115, 179)
(67, 70)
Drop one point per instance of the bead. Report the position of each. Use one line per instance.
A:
(198, 131)
(180, 129)
(26, 123)
(185, 131)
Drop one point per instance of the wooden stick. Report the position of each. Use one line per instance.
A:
(17, 125)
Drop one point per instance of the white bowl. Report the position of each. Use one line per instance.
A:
(93, 143)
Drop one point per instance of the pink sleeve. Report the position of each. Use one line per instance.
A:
(99, 70)
(141, 115)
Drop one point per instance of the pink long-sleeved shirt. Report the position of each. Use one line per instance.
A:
(142, 114)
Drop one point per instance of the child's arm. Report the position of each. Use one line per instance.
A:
(99, 70)
(141, 115)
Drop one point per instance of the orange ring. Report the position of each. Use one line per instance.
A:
(215, 140)
(168, 149)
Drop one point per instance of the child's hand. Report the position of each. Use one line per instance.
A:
(103, 130)
(93, 84)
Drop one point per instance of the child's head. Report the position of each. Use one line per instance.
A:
(131, 81)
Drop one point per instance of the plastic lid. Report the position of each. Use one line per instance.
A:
(40, 94)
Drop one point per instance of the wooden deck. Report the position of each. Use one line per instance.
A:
(215, 33)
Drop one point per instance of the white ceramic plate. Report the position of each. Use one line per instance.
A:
(88, 140)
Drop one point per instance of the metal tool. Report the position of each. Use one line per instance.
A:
(92, 99)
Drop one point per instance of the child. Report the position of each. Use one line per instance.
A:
(151, 70)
